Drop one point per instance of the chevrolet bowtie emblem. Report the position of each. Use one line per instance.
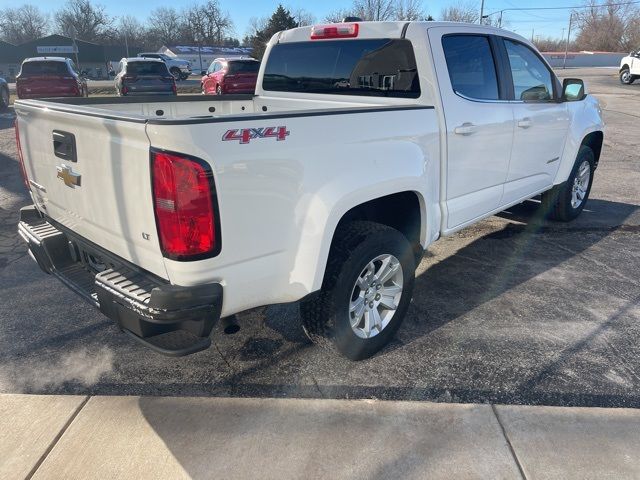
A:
(69, 178)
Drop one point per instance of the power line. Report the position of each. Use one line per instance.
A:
(564, 8)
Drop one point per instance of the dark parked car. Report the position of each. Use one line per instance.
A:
(231, 75)
(144, 76)
(50, 77)
(4, 94)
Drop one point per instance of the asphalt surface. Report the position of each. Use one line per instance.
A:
(513, 310)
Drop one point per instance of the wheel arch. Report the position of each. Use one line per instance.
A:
(623, 67)
(594, 141)
(383, 209)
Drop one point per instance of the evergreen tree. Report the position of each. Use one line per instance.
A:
(280, 20)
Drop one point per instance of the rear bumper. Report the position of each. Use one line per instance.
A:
(239, 89)
(25, 96)
(170, 319)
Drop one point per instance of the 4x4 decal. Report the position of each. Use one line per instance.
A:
(245, 135)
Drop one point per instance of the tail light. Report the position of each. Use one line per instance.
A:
(23, 170)
(185, 206)
(342, 30)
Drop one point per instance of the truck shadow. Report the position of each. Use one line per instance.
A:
(497, 295)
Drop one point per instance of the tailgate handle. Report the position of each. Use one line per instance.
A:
(64, 145)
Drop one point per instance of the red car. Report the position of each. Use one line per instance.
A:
(50, 77)
(231, 75)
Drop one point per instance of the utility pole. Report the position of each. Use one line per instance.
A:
(566, 46)
(75, 46)
(481, 11)
(532, 30)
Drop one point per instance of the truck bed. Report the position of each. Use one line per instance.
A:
(197, 107)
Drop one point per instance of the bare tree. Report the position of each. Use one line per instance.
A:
(374, 10)
(208, 23)
(409, 10)
(165, 26)
(336, 16)
(466, 12)
(610, 26)
(23, 24)
(130, 32)
(550, 44)
(302, 16)
(85, 20)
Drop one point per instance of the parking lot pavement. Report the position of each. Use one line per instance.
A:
(187, 437)
(513, 311)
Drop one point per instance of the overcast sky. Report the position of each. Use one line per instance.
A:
(545, 23)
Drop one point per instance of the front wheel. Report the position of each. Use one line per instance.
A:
(625, 77)
(566, 201)
(365, 293)
(218, 90)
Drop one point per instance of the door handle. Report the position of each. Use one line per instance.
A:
(524, 123)
(467, 128)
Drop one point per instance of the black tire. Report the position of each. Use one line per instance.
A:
(218, 90)
(325, 316)
(557, 201)
(4, 99)
(625, 76)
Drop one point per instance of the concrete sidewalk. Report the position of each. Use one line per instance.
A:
(76, 437)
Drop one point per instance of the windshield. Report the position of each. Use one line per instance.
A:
(244, 67)
(44, 68)
(380, 67)
(147, 68)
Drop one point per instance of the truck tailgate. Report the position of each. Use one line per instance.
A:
(104, 193)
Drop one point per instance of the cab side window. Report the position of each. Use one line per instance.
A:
(471, 66)
(532, 80)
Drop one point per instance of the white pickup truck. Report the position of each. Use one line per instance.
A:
(363, 144)
(630, 68)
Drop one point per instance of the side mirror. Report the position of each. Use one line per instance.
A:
(203, 72)
(572, 90)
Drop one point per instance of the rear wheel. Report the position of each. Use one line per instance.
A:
(566, 201)
(365, 293)
(625, 76)
(4, 98)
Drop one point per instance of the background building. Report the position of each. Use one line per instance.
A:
(89, 57)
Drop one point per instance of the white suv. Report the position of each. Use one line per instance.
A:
(630, 68)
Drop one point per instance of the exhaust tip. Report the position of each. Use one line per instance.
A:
(230, 325)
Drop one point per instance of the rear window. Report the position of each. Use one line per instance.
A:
(147, 68)
(471, 67)
(44, 68)
(244, 67)
(377, 67)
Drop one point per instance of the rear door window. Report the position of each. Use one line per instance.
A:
(376, 67)
(471, 66)
(147, 68)
(44, 68)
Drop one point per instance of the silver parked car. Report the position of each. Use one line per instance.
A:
(144, 76)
